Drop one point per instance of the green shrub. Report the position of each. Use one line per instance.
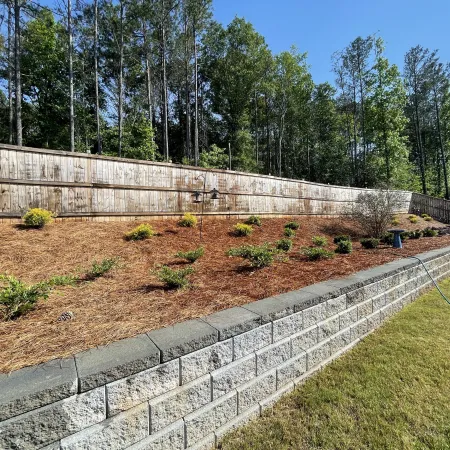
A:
(388, 238)
(188, 221)
(284, 245)
(254, 220)
(428, 219)
(37, 217)
(344, 247)
(320, 241)
(289, 232)
(63, 280)
(428, 232)
(404, 236)
(99, 269)
(416, 234)
(139, 233)
(316, 253)
(174, 278)
(395, 221)
(424, 216)
(258, 255)
(17, 298)
(342, 237)
(191, 255)
(242, 229)
(292, 225)
(414, 219)
(370, 242)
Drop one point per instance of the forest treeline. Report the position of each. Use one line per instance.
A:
(161, 80)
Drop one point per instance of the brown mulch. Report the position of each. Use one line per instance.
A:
(130, 300)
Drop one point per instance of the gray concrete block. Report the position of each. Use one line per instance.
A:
(282, 305)
(328, 327)
(364, 309)
(183, 338)
(314, 315)
(359, 329)
(53, 446)
(102, 365)
(324, 290)
(340, 340)
(336, 305)
(304, 340)
(379, 301)
(233, 321)
(348, 317)
(203, 422)
(169, 438)
(198, 363)
(373, 320)
(37, 428)
(270, 401)
(229, 377)
(282, 328)
(242, 419)
(291, 369)
(355, 297)
(317, 354)
(116, 433)
(253, 340)
(256, 390)
(131, 391)
(175, 404)
(371, 290)
(206, 443)
(272, 355)
(32, 387)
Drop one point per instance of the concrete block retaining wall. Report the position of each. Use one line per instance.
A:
(186, 386)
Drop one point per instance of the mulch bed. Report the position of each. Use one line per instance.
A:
(130, 300)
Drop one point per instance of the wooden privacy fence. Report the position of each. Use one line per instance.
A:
(438, 208)
(83, 185)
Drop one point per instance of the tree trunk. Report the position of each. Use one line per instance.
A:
(148, 74)
(363, 124)
(10, 76)
(71, 112)
(97, 99)
(196, 148)
(256, 130)
(441, 144)
(17, 75)
(120, 109)
(164, 83)
(187, 88)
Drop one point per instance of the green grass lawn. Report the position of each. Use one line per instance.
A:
(392, 391)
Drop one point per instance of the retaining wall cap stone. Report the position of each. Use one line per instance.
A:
(32, 387)
(183, 338)
(233, 321)
(102, 365)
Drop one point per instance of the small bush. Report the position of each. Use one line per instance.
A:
(292, 225)
(413, 219)
(424, 216)
(342, 237)
(188, 221)
(141, 232)
(37, 217)
(284, 245)
(63, 280)
(99, 269)
(428, 219)
(417, 234)
(254, 220)
(191, 255)
(289, 232)
(411, 216)
(388, 239)
(258, 255)
(395, 221)
(428, 232)
(344, 247)
(404, 236)
(242, 229)
(370, 242)
(17, 298)
(320, 241)
(174, 278)
(317, 253)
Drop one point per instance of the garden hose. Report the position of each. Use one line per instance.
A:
(428, 273)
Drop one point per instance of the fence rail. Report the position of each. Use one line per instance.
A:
(78, 184)
(438, 208)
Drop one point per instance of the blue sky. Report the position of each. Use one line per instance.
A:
(320, 27)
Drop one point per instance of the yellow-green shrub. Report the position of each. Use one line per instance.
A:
(139, 233)
(188, 221)
(37, 217)
(413, 219)
(242, 229)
